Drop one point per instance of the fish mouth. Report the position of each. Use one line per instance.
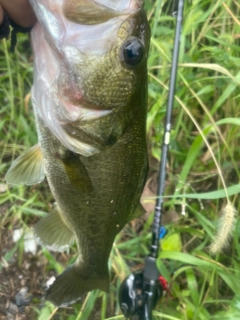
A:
(73, 86)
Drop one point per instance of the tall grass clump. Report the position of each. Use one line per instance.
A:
(200, 254)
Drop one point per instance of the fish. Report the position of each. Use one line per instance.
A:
(89, 99)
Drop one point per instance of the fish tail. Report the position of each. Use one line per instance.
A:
(72, 284)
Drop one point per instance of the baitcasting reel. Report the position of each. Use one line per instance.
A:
(140, 292)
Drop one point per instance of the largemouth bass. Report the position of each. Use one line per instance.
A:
(89, 99)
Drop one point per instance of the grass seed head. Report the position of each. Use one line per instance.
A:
(225, 227)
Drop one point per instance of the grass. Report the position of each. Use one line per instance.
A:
(203, 171)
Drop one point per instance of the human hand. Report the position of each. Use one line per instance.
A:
(1, 15)
(18, 11)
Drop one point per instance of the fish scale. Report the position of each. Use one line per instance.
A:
(90, 109)
(117, 178)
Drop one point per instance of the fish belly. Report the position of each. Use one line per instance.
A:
(94, 215)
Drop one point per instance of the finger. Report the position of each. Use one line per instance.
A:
(19, 11)
(1, 15)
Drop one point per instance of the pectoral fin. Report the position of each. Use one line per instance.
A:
(52, 232)
(87, 12)
(76, 172)
(28, 168)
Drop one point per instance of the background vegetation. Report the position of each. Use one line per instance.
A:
(205, 130)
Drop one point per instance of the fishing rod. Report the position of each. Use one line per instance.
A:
(140, 292)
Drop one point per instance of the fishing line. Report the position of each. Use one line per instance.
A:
(140, 291)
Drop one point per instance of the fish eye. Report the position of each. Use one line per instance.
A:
(133, 52)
